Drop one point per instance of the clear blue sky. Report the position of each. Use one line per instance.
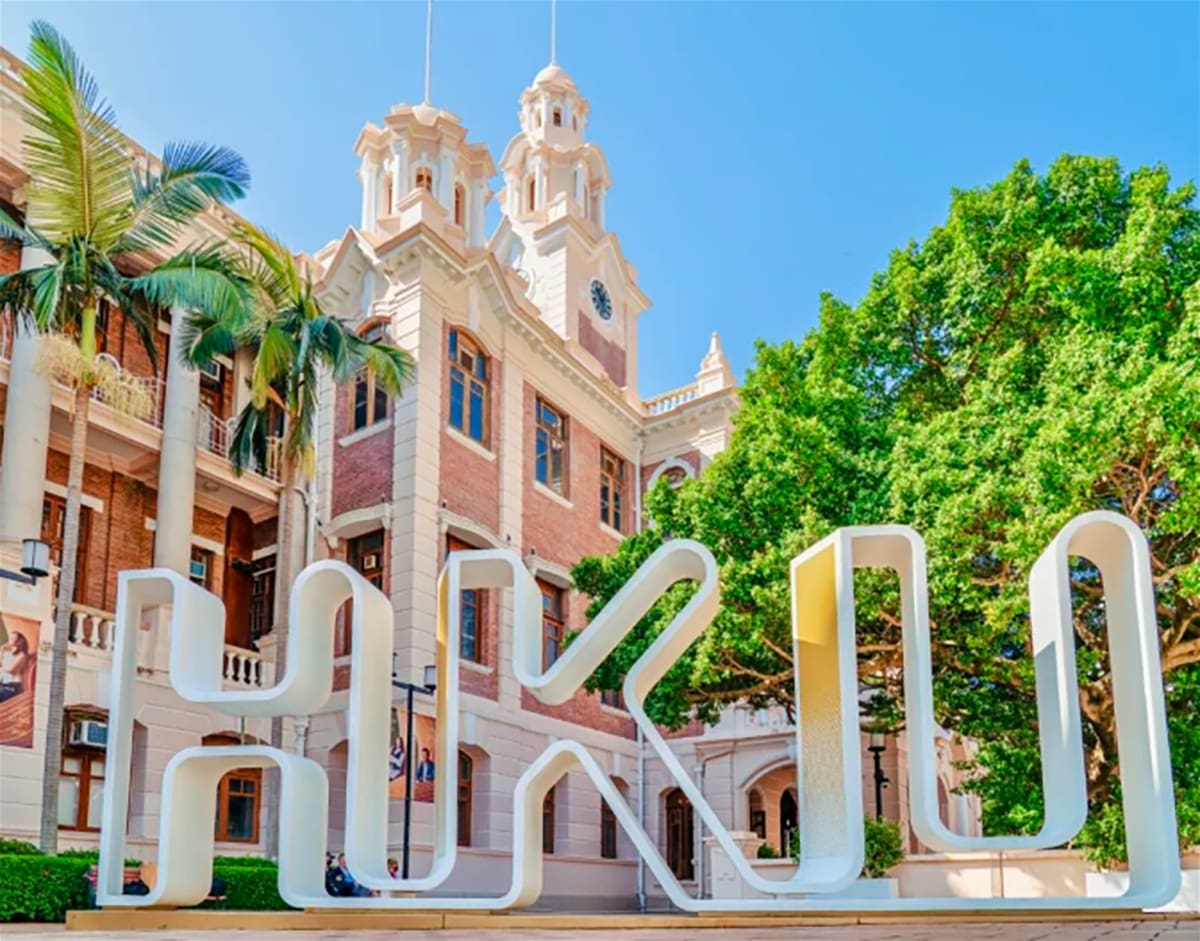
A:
(760, 152)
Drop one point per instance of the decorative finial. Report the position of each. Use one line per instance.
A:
(553, 31)
(428, 45)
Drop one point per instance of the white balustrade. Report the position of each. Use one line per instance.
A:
(215, 435)
(90, 628)
(671, 400)
(244, 667)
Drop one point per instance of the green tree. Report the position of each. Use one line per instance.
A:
(293, 342)
(92, 215)
(1035, 357)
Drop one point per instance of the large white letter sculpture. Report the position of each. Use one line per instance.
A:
(827, 731)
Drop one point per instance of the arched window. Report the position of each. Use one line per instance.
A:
(470, 388)
(370, 400)
(465, 784)
(237, 798)
(386, 208)
(548, 821)
(425, 179)
(787, 820)
(758, 814)
(531, 195)
(680, 835)
(460, 205)
(537, 118)
(557, 116)
(675, 476)
(574, 123)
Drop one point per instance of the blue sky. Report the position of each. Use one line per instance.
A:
(760, 152)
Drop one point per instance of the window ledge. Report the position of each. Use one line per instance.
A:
(476, 667)
(469, 442)
(609, 531)
(368, 432)
(552, 495)
(615, 711)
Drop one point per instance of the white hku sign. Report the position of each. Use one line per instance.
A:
(827, 733)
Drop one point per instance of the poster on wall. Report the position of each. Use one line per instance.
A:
(419, 751)
(18, 679)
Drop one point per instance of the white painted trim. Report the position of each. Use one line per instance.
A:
(265, 552)
(609, 531)
(356, 522)
(211, 545)
(476, 667)
(548, 571)
(466, 529)
(367, 432)
(469, 442)
(58, 490)
(556, 497)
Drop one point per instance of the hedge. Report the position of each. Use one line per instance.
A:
(41, 888)
(45, 888)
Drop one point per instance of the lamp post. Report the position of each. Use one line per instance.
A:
(35, 563)
(430, 687)
(877, 747)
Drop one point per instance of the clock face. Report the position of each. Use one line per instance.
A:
(601, 300)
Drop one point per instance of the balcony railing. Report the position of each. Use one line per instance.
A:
(244, 667)
(215, 435)
(90, 628)
(673, 399)
(152, 387)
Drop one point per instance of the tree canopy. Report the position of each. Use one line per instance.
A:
(1035, 357)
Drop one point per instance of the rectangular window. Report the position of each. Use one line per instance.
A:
(370, 401)
(262, 598)
(474, 613)
(553, 620)
(237, 806)
(608, 831)
(54, 515)
(81, 789)
(364, 554)
(469, 387)
(200, 567)
(548, 821)
(613, 698)
(464, 799)
(612, 490)
(550, 448)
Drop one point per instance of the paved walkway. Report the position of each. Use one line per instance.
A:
(1073, 931)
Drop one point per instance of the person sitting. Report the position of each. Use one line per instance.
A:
(393, 867)
(335, 880)
(352, 888)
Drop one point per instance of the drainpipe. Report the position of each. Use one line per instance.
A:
(637, 492)
(641, 776)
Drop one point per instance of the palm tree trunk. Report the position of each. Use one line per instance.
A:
(67, 576)
(283, 586)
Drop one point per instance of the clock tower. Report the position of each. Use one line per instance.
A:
(553, 231)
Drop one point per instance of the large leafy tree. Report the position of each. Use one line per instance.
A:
(94, 220)
(1035, 357)
(293, 342)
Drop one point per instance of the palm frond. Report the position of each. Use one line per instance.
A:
(248, 445)
(27, 235)
(392, 366)
(273, 362)
(206, 278)
(274, 266)
(78, 163)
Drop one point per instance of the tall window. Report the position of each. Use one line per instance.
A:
(550, 448)
(680, 835)
(460, 205)
(370, 401)
(262, 598)
(474, 613)
(81, 783)
(531, 195)
(425, 179)
(612, 489)
(608, 831)
(465, 770)
(238, 797)
(470, 392)
(548, 821)
(200, 567)
(557, 117)
(758, 817)
(54, 515)
(787, 820)
(386, 208)
(553, 618)
(103, 322)
(364, 554)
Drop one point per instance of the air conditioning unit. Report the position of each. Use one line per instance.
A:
(90, 733)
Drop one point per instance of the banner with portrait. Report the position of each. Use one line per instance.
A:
(421, 751)
(18, 679)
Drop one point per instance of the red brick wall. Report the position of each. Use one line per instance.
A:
(564, 535)
(362, 470)
(610, 354)
(470, 483)
(10, 256)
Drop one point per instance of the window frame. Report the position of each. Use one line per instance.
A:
(608, 831)
(374, 400)
(548, 821)
(613, 472)
(467, 359)
(252, 776)
(460, 205)
(356, 551)
(54, 518)
(556, 439)
(554, 623)
(423, 179)
(208, 558)
(466, 796)
(479, 605)
(85, 777)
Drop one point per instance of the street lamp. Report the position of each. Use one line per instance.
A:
(430, 677)
(877, 747)
(35, 563)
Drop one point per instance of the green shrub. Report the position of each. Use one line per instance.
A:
(767, 851)
(260, 862)
(41, 888)
(18, 848)
(882, 847)
(92, 856)
(251, 888)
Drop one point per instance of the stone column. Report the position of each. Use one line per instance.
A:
(26, 433)
(177, 462)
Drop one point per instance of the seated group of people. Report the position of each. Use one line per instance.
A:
(340, 883)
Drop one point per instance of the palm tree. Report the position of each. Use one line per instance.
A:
(93, 215)
(293, 341)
